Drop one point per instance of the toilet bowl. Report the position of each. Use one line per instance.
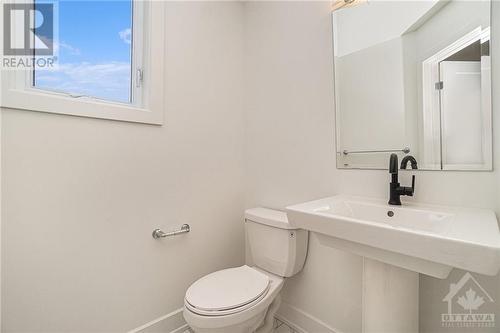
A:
(232, 307)
(245, 299)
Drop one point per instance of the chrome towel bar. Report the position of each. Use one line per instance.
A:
(405, 150)
(158, 233)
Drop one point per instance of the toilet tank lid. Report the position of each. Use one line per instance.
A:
(270, 217)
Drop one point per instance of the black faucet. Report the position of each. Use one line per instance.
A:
(411, 159)
(395, 189)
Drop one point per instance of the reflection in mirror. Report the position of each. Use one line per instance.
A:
(413, 77)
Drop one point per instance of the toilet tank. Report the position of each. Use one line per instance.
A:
(274, 244)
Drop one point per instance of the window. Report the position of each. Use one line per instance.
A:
(104, 66)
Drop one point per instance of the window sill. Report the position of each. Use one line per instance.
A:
(38, 100)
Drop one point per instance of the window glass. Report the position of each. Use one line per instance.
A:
(94, 51)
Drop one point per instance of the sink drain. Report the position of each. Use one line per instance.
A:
(390, 213)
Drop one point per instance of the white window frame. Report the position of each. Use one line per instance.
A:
(148, 48)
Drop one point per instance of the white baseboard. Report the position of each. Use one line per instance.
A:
(294, 317)
(302, 321)
(172, 322)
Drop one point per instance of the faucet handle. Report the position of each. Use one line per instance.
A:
(412, 185)
(406, 190)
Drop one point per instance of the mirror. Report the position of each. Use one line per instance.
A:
(413, 77)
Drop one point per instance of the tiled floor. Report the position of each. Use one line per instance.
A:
(281, 327)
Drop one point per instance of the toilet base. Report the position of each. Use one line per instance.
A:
(267, 325)
(261, 323)
(248, 326)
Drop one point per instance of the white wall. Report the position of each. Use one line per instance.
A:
(290, 143)
(364, 80)
(367, 25)
(82, 196)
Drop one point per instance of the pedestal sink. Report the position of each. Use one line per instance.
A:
(423, 238)
(397, 243)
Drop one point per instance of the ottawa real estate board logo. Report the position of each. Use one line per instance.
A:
(28, 38)
(466, 300)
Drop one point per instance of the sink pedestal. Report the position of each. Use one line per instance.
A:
(390, 293)
(390, 298)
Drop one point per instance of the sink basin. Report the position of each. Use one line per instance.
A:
(424, 238)
(406, 218)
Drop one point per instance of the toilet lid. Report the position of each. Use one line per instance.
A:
(227, 289)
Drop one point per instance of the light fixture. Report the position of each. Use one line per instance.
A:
(339, 4)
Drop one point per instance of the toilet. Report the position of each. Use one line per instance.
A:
(245, 299)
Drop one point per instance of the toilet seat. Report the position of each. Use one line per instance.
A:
(227, 291)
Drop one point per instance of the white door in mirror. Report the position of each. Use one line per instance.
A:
(463, 121)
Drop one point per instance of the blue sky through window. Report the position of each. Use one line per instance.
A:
(94, 50)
